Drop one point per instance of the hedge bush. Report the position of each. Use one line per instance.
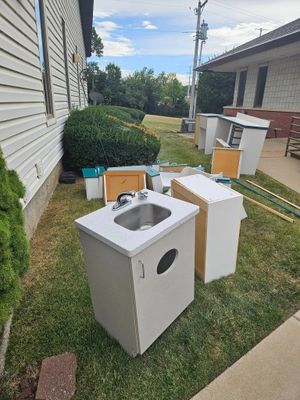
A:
(125, 114)
(137, 115)
(94, 136)
(14, 256)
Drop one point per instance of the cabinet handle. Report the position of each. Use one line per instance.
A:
(142, 270)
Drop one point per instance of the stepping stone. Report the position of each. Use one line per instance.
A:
(57, 379)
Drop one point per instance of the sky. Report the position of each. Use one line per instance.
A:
(159, 34)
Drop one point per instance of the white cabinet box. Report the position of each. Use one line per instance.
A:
(217, 224)
(93, 179)
(140, 280)
(211, 127)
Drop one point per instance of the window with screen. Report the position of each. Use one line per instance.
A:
(241, 88)
(44, 58)
(260, 86)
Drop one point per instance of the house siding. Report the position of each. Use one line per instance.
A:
(282, 90)
(28, 140)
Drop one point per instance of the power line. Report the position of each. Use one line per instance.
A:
(243, 11)
(154, 4)
(217, 2)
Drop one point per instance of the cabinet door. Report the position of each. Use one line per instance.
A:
(163, 279)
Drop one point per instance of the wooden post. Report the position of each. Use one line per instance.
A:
(271, 210)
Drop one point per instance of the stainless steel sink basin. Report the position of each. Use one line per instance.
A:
(142, 217)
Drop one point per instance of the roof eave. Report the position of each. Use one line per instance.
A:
(282, 41)
(86, 14)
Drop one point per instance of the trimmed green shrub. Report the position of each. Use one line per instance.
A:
(14, 255)
(117, 112)
(137, 115)
(95, 137)
(124, 113)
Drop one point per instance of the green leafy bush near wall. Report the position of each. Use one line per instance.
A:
(125, 114)
(137, 115)
(94, 136)
(14, 256)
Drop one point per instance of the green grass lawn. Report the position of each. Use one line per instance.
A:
(227, 318)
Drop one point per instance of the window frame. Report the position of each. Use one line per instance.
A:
(260, 86)
(78, 79)
(240, 97)
(66, 62)
(42, 35)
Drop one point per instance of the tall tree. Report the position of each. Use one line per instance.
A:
(173, 96)
(96, 79)
(134, 95)
(215, 91)
(162, 94)
(147, 87)
(97, 46)
(113, 89)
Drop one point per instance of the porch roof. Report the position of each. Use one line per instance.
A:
(86, 13)
(261, 49)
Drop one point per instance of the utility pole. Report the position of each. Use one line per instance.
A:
(203, 38)
(198, 12)
(189, 85)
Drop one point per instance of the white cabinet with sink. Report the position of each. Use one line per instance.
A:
(140, 265)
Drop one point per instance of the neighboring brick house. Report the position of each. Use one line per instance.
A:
(267, 76)
(43, 50)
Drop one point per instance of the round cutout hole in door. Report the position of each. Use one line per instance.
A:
(166, 261)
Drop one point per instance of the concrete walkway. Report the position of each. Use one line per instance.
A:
(284, 169)
(270, 371)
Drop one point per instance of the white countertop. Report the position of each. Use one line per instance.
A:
(207, 189)
(240, 121)
(100, 224)
(243, 122)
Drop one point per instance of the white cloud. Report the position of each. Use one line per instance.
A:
(136, 7)
(126, 72)
(219, 40)
(118, 47)
(231, 23)
(105, 28)
(183, 78)
(149, 25)
(217, 10)
(114, 45)
(103, 14)
(226, 38)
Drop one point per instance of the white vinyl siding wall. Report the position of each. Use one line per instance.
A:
(27, 138)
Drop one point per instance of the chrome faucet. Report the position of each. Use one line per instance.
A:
(123, 200)
(143, 194)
